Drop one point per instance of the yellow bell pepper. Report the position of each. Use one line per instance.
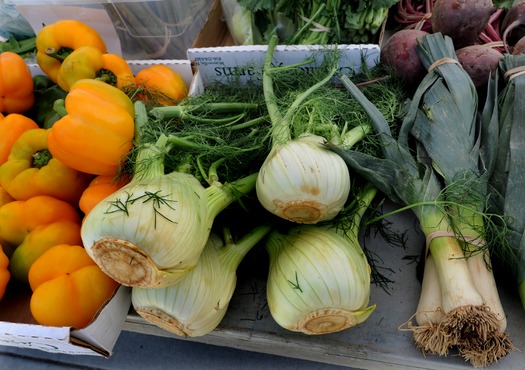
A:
(5, 197)
(11, 127)
(90, 62)
(18, 218)
(31, 170)
(5, 275)
(159, 85)
(16, 84)
(68, 287)
(55, 41)
(97, 132)
(39, 240)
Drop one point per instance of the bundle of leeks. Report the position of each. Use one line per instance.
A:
(508, 179)
(437, 168)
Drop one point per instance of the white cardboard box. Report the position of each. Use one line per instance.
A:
(223, 62)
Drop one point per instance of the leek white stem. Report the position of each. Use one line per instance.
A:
(429, 309)
(457, 286)
(481, 270)
(427, 333)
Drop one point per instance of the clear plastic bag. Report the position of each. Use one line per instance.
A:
(239, 21)
(12, 23)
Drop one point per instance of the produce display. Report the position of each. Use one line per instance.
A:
(111, 178)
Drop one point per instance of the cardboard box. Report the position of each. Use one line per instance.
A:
(246, 62)
(215, 31)
(19, 329)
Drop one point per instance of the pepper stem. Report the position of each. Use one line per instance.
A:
(41, 158)
(60, 54)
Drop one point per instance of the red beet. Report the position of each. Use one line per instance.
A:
(513, 24)
(479, 61)
(519, 47)
(462, 20)
(399, 52)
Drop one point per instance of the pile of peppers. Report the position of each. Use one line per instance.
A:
(65, 134)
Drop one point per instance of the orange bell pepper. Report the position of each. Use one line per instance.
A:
(90, 62)
(159, 85)
(31, 170)
(16, 84)
(39, 240)
(5, 275)
(68, 287)
(11, 127)
(18, 218)
(98, 189)
(55, 41)
(98, 131)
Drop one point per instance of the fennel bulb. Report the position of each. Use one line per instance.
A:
(303, 182)
(299, 180)
(196, 304)
(319, 277)
(318, 282)
(151, 232)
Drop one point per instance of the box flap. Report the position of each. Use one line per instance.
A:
(181, 66)
(245, 62)
(103, 332)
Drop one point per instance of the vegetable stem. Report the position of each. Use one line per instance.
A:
(233, 252)
(180, 111)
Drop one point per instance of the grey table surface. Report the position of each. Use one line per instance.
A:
(141, 351)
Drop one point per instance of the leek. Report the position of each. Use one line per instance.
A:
(319, 277)
(416, 181)
(195, 305)
(151, 232)
(508, 180)
(443, 117)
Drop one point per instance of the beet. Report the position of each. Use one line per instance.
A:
(513, 24)
(479, 61)
(462, 20)
(519, 47)
(400, 53)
